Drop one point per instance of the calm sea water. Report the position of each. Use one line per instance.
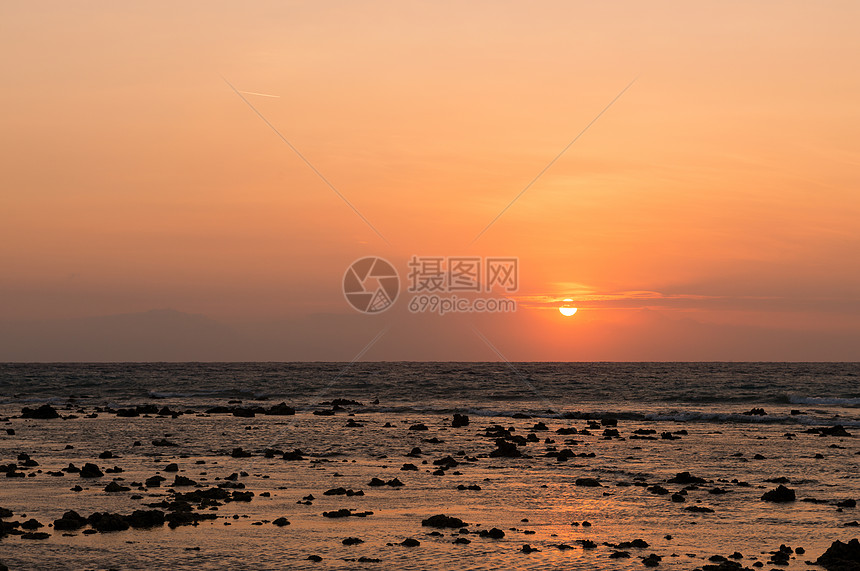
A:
(703, 403)
(820, 390)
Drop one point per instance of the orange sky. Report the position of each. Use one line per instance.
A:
(718, 195)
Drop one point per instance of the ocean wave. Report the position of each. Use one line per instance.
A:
(659, 416)
(224, 393)
(825, 401)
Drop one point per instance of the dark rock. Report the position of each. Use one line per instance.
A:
(154, 481)
(339, 402)
(183, 481)
(409, 542)
(699, 510)
(35, 535)
(342, 492)
(755, 412)
(171, 467)
(494, 533)
(419, 426)
(107, 522)
(163, 442)
(779, 494)
(44, 412)
(837, 430)
(114, 487)
(352, 541)
(294, 455)
(505, 449)
(145, 519)
(588, 482)
(528, 549)
(70, 521)
(91, 471)
(409, 468)
(345, 513)
(243, 412)
(281, 409)
(446, 462)
(686, 478)
(443, 521)
(127, 412)
(281, 522)
(31, 524)
(239, 453)
(841, 556)
(644, 431)
(460, 420)
(637, 543)
(241, 496)
(177, 519)
(315, 558)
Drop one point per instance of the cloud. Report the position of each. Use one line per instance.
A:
(645, 299)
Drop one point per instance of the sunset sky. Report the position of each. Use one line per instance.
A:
(711, 213)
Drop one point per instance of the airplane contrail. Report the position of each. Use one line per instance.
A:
(258, 94)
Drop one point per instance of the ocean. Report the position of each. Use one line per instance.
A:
(600, 443)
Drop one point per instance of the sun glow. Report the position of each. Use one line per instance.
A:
(567, 309)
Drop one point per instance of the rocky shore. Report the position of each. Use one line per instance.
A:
(339, 486)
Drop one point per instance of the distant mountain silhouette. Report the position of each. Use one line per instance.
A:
(157, 335)
(646, 335)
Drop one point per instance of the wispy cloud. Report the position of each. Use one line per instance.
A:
(608, 300)
(585, 297)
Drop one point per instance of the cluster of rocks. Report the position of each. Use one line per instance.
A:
(281, 409)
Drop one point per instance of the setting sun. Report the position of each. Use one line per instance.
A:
(567, 309)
